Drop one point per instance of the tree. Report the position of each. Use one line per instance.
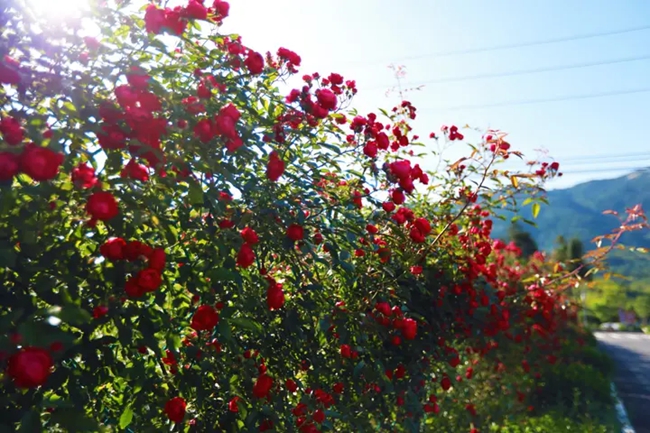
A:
(523, 240)
(641, 306)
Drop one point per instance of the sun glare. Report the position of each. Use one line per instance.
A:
(59, 9)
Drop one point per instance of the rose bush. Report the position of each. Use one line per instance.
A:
(184, 247)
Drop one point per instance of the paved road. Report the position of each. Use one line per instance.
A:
(631, 352)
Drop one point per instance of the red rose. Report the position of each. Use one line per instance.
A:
(100, 311)
(205, 318)
(388, 206)
(409, 329)
(326, 98)
(136, 249)
(102, 206)
(157, 259)
(9, 165)
(83, 176)
(133, 170)
(274, 296)
(319, 416)
(245, 256)
(295, 232)
(11, 130)
(262, 386)
(291, 385)
(372, 229)
(113, 249)
(149, 279)
(346, 351)
(226, 120)
(196, 10)
(222, 8)
(423, 225)
(401, 169)
(232, 144)
(445, 383)
(416, 235)
(204, 131)
(370, 149)
(336, 79)
(9, 75)
(416, 270)
(133, 289)
(154, 19)
(249, 236)
(232, 405)
(30, 367)
(288, 55)
(40, 163)
(254, 63)
(275, 167)
(226, 224)
(175, 409)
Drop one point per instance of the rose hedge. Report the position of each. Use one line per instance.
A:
(183, 246)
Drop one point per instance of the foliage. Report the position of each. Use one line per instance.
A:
(578, 212)
(523, 240)
(552, 423)
(185, 248)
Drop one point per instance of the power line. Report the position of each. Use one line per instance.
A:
(538, 101)
(522, 72)
(518, 45)
(605, 170)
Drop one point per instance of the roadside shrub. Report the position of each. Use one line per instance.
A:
(552, 423)
(183, 247)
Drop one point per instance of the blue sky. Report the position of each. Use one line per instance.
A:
(360, 38)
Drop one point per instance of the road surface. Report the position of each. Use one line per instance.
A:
(631, 352)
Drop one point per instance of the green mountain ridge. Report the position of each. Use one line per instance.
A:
(578, 212)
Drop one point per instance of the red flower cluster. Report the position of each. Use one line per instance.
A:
(11, 130)
(83, 176)
(9, 71)
(452, 132)
(275, 167)
(134, 124)
(246, 255)
(290, 58)
(223, 125)
(274, 294)
(146, 279)
(175, 20)
(39, 163)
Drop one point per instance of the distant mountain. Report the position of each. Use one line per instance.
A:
(578, 212)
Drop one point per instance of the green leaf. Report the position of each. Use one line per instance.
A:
(195, 194)
(7, 255)
(224, 329)
(126, 417)
(74, 315)
(357, 369)
(31, 422)
(243, 322)
(536, 208)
